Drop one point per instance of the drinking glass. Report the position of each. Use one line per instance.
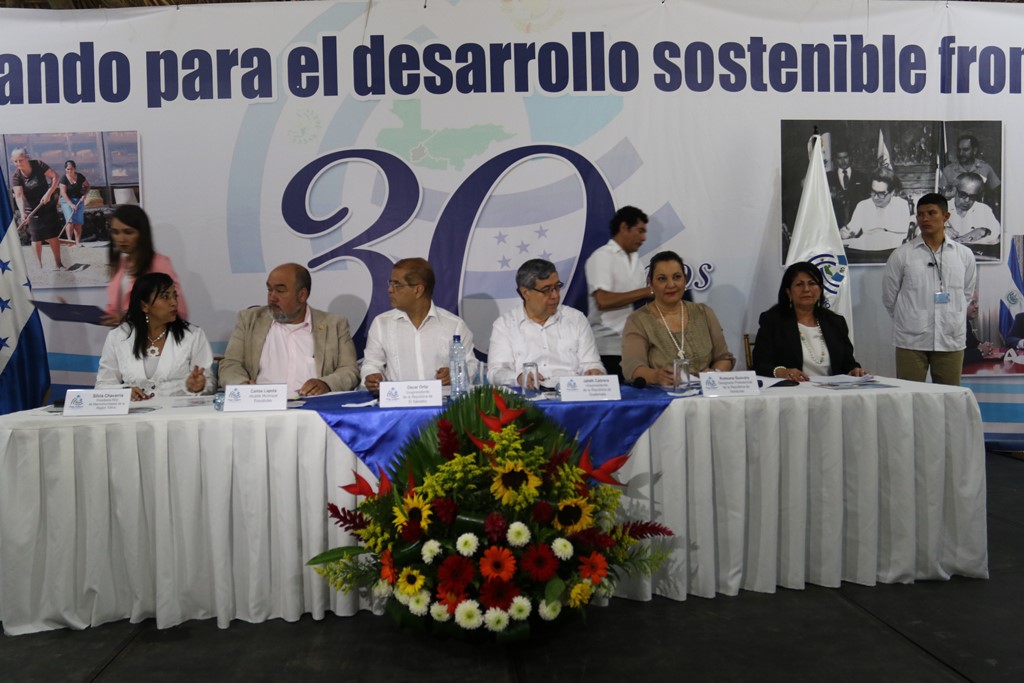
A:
(529, 380)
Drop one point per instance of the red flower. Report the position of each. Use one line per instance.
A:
(594, 567)
(592, 538)
(498, 593)
(539, 563)
(495, 526)
(445, 509)
(447, 440)
(455, 572)
(450, 596)
(543, 512)
(387, 568)
(411, 531)
(349, 520)
(639, 529)
(556, 460)
(498, 563)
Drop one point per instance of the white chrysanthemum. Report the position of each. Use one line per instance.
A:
(496, 620)
(439, 612)
(518, 534)
(419, 603)
(467, 544)
(562, 548)
(402, 598)
(382, 589)
(549, 611)
(430, 550)
(520, 608)
(468, 614)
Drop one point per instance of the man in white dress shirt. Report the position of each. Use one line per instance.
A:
(927, 287)
(972, 222)
(411, 341)
(615, 281)
(542, 331)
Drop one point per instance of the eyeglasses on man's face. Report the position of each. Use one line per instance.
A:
(398, 284)
(550, 289)
(880, 194)
(960, 194)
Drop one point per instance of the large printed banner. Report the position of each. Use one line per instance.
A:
(345, 136)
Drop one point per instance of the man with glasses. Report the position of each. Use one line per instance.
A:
(289, 342)
(542, 331)
(972, 222)
(967, 161)
(616, 280)
(411, 341)
(880, 223)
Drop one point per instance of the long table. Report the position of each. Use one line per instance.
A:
(186, 513)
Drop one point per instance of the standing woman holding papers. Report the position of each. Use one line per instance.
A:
(670, 328)
(154, 351)
(132, 254)
(799, 337)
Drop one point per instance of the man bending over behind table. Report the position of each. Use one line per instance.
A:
(289, 342)
(411, 341)
(616, 280)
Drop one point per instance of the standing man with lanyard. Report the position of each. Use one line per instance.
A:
(927, 286)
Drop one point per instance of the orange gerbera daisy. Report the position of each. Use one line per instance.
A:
(498, 563)
(387, 567)
(594, 567)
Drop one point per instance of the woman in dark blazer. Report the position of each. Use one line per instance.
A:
(799, 337)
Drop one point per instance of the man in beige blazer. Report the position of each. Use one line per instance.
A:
(290, 323)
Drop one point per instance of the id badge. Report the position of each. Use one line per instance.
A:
(942, 297)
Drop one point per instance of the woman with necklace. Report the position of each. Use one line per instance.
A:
(670, 328)
(799, 337)
(155, 352)
(132, 254)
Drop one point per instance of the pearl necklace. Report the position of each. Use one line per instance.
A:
(682, 328)
(819, 341)
(153, 350)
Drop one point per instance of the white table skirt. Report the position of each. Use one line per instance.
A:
(178, 514)
(185, 513)
(810, 485)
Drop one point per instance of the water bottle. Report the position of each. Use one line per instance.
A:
(457, 368)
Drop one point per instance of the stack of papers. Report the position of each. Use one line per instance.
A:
(842, 380)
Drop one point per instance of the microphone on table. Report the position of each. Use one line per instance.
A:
(639, 383)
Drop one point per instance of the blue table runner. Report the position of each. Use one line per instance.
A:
(376, 434)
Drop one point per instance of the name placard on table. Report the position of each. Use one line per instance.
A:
(97, 401)
(590, 388)
(742, 383)
(254, 397)
(416, 394)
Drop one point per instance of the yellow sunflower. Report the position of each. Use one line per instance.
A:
(514, 485)
(580, 594)
(410, 581)
(574, 514)
(414, 508)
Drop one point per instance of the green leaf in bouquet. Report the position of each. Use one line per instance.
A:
(335, 554)
(553, 590)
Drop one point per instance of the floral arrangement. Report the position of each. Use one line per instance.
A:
(492, 517)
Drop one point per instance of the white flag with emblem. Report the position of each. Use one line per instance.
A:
(816, 237)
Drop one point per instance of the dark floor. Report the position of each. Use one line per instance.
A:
(933, 631)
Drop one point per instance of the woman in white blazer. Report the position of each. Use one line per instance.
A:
(155, 352)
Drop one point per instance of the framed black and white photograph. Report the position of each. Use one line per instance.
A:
(877, 170)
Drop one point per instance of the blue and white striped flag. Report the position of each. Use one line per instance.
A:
(24, 372)
(1012, 303)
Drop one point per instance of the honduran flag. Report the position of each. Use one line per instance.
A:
(24, 372)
